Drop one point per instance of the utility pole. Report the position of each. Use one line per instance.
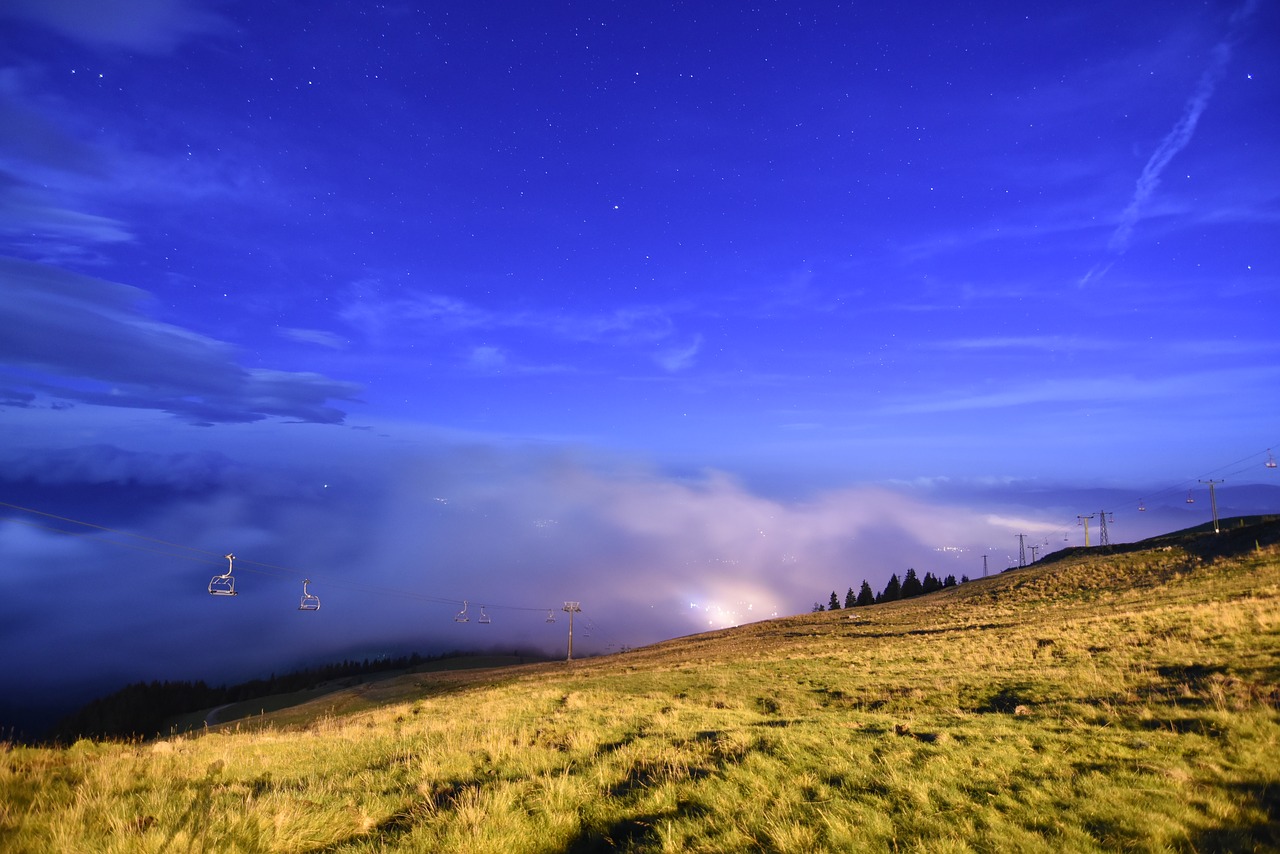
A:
(1213, 500)
(1102, 527)
(1034, 549)
(1084, 520)
(1022, 550)
(572, 608)
(984, 566)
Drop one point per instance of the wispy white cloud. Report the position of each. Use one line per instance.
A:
(39, 220)
(1054, 343)
(1178, 137)
(387, 318)
(1174, 387)
(487, 359)
(151, 26)
(88, 340)
(676, 359)
(1173, 142)
(314, 336)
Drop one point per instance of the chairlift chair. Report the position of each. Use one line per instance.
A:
(461, 616)
(1271, 460)
(224, 585)
(1190, 498)
(310, 601)
(484, 618)
(551, 618)
(1142, 507)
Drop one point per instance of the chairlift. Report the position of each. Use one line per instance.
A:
(1190, 498)
(551, 618)
(1271, 460)
(484, 618)
(310, 601)
(1142, 507)
(461, 616)
(224, 585)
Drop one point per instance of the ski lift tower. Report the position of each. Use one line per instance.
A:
(1084, 520)
(571, 608)
(1213, 499)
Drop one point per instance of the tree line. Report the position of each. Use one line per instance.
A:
(144, 709)
(907, 587)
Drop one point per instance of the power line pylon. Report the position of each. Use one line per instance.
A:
(1022, 550)
(1102, 526)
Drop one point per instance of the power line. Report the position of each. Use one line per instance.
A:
(1247, 463)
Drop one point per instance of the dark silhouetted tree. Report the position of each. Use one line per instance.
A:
(865, 596)
(931, 583)
(892, 591)
(850, 599)
(964, 579)
(833, 604)
(950, 582)
(911, 585)
(818, 606)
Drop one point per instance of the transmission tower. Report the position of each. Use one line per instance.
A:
(1213, 500)
(1022, 550)
(571, 608)
(1102, 526)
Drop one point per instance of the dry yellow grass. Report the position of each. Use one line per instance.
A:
(1102, 702)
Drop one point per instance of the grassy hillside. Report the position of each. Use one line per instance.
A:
(1098, 702)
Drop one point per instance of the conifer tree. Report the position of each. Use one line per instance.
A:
(865, 596)
(911, 585)
(833, 604)
(950, 582)
(931, 583)
(850, 599)
(892, 591)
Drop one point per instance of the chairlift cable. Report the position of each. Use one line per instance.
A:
(207, 556)
(117, 543)
(107, 529)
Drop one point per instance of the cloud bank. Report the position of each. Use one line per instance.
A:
(394, 540)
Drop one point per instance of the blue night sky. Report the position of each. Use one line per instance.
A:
(688, 312)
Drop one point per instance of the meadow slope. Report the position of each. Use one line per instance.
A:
(1101, 701)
